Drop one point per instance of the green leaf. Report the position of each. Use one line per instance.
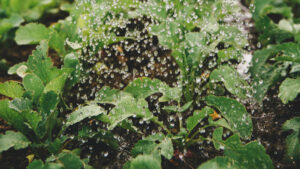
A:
(231, 79)
(38, 164)
(292, 141)
(57, 41)
(31, 33)
(70, 161)
(14, 69)
(13, 139)
(57, 84)
(219, 123)
(143, 147)
(83, 113)
(234, 112)
(220, 163)
(21, 104)
(71, 61)
(194, 120)
(12, 117)
(178, 109)
(217, 137)
(11, 89)
(108, 95)
(33, 120)
(145, 162)
(34, 85)
(125, 106)
(48, 102)
(289, 89)
(144, 87)
(153, 144)
(13, 21)
(41, 65)
(128, 107)
(238, 156)
(55, 146)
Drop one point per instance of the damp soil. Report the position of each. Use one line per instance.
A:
(267, 119)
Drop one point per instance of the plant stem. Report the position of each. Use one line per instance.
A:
(161, 125)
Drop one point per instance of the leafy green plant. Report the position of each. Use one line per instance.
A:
(62, 36)
(130, 103)
(275, 20)
(279, 60)
(271, 65)
(179, 27)
(34, 110)
(14, 12)
(194, 34)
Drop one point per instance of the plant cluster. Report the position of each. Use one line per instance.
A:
(279, 59)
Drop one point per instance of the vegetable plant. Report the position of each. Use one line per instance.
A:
(279, 60)
(15, 12)
(33, 110)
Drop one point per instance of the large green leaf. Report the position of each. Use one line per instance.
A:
(238, 156)
(31, 33)
(11, 89)
(13, 139)
(144, 87)
(128, 107)
(292, 141)
(83, 113)
(234, 112)
(289, 89)
(231, 79)
(145, 162)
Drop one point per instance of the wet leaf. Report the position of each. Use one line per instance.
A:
(144, 87)
(194, 120)
(231, 79)
(83, 113)
(238, 156)
(234, 112)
